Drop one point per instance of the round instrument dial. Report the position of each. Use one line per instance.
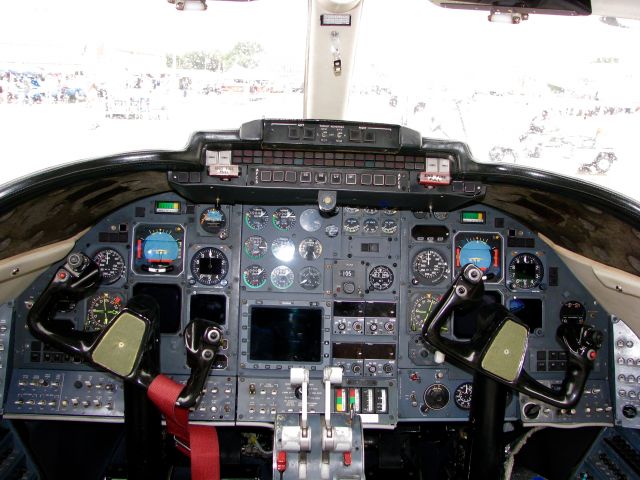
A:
(310, 249)
(526, 271)
(436, 396)
(284, 218)
(351, 210)
(430, 267)
(255, 247)
(351, 225)
(421, 310)
(111, 265)
(389, 226)
(310, 278)
(101, 309)
(283, 249)
(310, 220)
(212, 220)
(209, 266)
(390, 211)
(256, 218)
(370, 225)
(254, 276)
(462, 395)
(331, 231)
(282, 277)
(380, 277)
(370, 211)
(573, 313)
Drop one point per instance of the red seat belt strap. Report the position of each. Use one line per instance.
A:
(196, 441)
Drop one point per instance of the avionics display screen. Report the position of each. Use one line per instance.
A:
(169, 298)
(525, 271)
(348, 309)
(529, 310)
(285, 334)
(210, 266)
(379, 309)
(465, 324)
(209, 307)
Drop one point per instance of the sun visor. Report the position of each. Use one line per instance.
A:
(548, 7)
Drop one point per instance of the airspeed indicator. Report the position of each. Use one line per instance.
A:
(430, 267)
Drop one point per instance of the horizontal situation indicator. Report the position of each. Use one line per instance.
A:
(167, 207)
(473, 217)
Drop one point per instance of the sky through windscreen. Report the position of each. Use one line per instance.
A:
(92, 79)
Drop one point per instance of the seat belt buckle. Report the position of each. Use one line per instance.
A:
(182, 446)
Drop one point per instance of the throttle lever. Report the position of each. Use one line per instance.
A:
(202, 339)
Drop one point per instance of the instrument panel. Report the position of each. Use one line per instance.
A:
(294, 286)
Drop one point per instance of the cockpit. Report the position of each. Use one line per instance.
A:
(320, 298)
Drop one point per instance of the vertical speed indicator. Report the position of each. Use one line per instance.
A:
(482, 249)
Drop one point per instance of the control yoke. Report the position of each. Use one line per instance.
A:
(499, 346)
(121, 346)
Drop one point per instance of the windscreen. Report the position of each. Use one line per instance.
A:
(83, 79)
(556, 93)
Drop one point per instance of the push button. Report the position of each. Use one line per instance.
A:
(290, 176)
(351, 178)
(265, 176)
(294, 133)
(378, 180)
(309, 133)
(355, 135)
(336, 178)
(390, 180)
(365, 179)
(321, 178)
(305, 177)
(278, 176)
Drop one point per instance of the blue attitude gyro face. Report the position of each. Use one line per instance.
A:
(157, 249)
(160, 247)
(484, 250)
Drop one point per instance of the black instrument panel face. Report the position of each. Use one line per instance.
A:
(292, 287)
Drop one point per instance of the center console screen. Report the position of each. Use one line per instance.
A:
(285, 334)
